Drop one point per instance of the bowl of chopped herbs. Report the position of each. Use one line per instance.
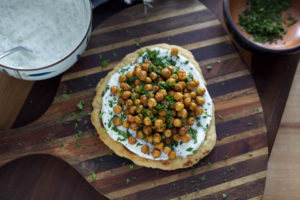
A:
(269, 26)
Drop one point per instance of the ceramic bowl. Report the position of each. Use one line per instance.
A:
(290, 43)
(61, 65)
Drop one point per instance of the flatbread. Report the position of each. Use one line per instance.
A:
(179, 162)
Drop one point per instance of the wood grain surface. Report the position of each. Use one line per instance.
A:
(283, 180)
(238, 162)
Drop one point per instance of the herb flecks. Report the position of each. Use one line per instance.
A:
(263, 20)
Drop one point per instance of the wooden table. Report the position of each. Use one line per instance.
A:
(272, 111)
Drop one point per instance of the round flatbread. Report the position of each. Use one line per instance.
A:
(179, 162)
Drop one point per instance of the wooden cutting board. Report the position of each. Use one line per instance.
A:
(237, 166)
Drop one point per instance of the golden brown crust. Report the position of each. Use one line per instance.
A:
(179, 162)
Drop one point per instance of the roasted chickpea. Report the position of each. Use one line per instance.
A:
(183, 113)
(174, 51)
(125, 124)
(147, 121)
(191, 121)
(160, 129)
(185, 138)
(178, 106)
(167, 149)
(132, 110)
(140, 134)
(137, 82)
(147, 130)
(196, 82)
(178, 96)
(178, 87)
(142, 75)
(171, 68)
(200, 91)
(119, 92)
(148, 87)
(171, 92)
(145, 149)
(172, 155)
(168, 133)
(156, 138)
(148, 62)
(144, 100)
(117, 121)
(175, 76)
(193, 95)
(153, 75)
(192, 106)
(129, 103)
(130, 118)
(176, 137)
(114, 89)
(145, 66)
(117, 109)
(186, 95)
(149, 138)
(200, 100)
(125, 86)
(137, 101)
(198, 110)
(126, 95)
(166, 73)
(159, 146)
(183, 84)
(129, 74)
(187, 101)
(121, 101)
(162, 118)
(139, 108)
(156, 153)
(134, 96)
(131, 140)
(148, 80)
(177, 122)
(137, 119)
(171, 81)
(159, 97)
(191, 85)
(163, 92)
(152, 103)
(181, 75)
(137, 68)
(183, 130)
(122, 78)
(134, 126)
(163, 113)
(155, 88)
(158, 123)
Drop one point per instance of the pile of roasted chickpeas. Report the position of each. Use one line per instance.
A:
(160, 105)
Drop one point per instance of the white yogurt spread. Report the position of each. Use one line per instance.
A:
(200, 125)
(52, 29)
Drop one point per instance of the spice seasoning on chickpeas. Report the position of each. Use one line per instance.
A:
(157, 102)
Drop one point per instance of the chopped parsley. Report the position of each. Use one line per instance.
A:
(209, 67)
(104, 63)
(189, 149)
(263, 20)
(94, 176)
(224, 196)
(80, 104)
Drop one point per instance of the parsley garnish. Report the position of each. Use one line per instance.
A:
(189, 149)
(94, 176)
(104, 63)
